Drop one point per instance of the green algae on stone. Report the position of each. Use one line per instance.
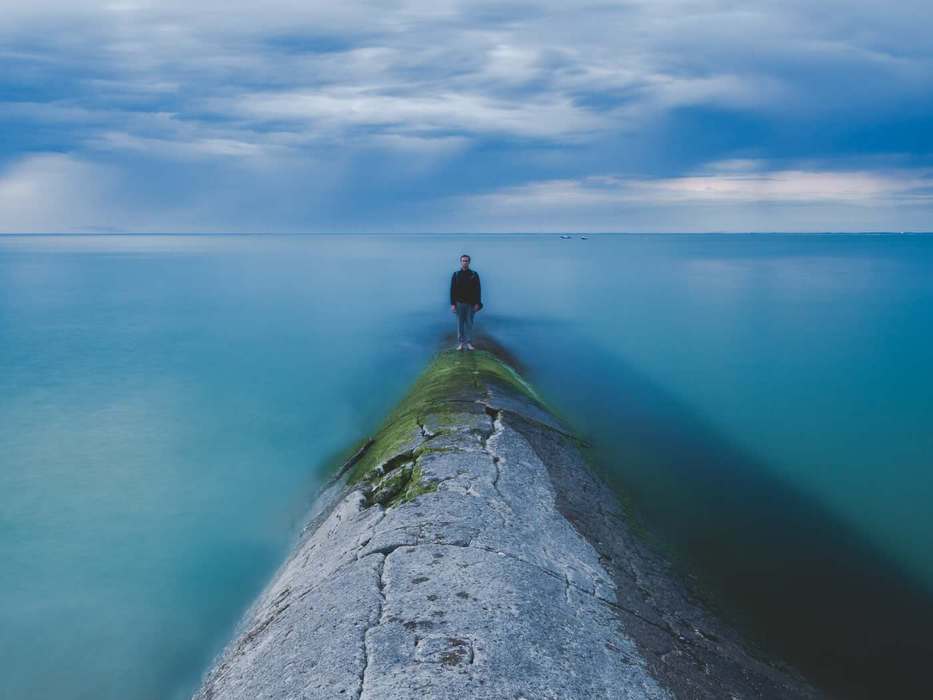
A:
(415, 487)
(451, 377)
(401, 485)
(390, 486)
(393, 438)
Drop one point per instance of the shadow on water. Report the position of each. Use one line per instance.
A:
(797, 581)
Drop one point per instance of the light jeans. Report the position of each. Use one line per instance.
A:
(464, 322)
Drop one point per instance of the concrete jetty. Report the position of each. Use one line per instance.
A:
(467, 551)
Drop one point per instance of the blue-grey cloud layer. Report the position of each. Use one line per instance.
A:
(458, 115)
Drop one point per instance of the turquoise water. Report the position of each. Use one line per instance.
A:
(763, 403)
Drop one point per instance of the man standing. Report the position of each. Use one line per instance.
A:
(465, 301)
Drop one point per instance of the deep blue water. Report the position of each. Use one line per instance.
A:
(762, 402)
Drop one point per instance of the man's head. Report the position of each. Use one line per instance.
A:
(464, 262)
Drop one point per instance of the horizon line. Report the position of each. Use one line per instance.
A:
(62, 234)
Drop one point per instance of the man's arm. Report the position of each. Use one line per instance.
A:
(479, 291)
(453, 279)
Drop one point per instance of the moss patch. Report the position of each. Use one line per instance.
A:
(415, 487)
(451, 376)
(394, 437)
(390, 486)
(401, 485)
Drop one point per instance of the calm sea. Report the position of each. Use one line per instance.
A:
(763, 403)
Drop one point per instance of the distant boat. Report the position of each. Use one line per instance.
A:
(565, 236)
(582, 238)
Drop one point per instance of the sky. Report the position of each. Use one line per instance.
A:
(459, 116)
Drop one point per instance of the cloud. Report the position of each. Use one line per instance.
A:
(730, 182)
(59, 193)
(55, 193)
(444, 113)
(748, 190)
(390, 111)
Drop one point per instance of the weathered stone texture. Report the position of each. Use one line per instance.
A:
(478, 557)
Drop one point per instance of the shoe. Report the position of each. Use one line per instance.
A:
(460, 347)
(470, 346)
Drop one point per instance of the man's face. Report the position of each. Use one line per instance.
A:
(464, 263)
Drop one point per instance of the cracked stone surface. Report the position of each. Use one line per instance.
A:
(515, 577)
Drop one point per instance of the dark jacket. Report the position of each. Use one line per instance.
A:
(464, 286)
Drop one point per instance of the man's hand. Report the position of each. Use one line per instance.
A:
(476, 307)
(453, 307)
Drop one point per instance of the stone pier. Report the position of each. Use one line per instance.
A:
(467, 551)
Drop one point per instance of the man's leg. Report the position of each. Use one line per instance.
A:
(461, 322)
(468, 323)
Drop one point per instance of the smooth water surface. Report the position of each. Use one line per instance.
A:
(762, 403)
